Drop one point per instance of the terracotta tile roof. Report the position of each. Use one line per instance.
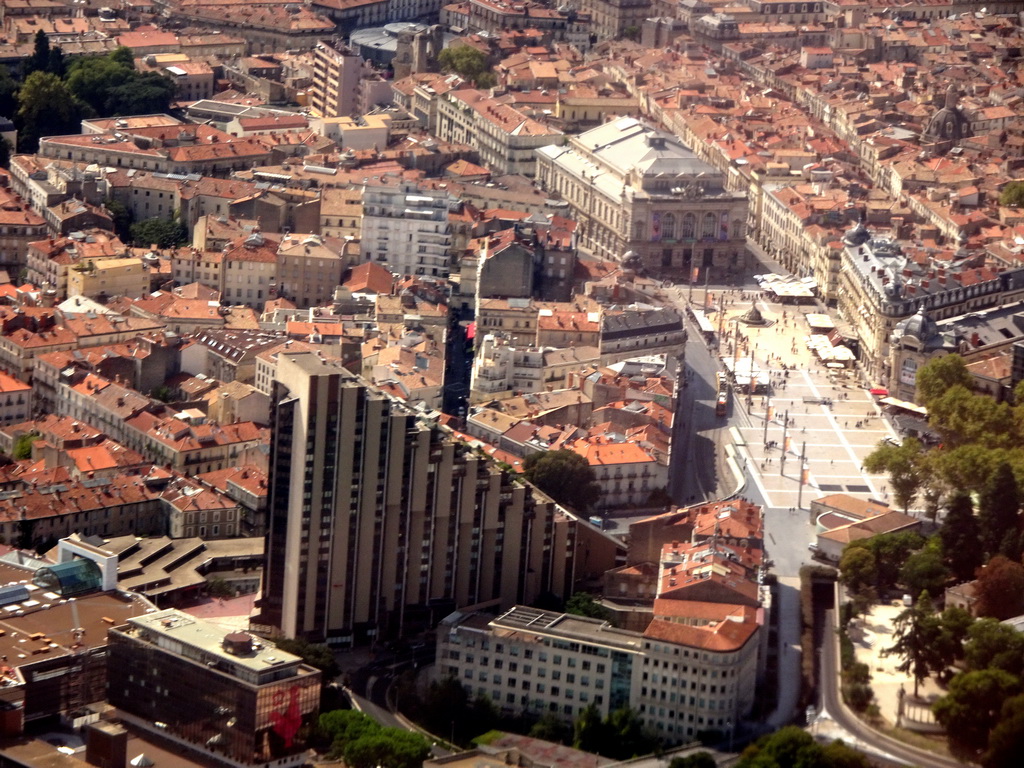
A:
(370, 277)
(722, 637)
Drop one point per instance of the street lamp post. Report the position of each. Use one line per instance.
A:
(803, 469)
(785, 430)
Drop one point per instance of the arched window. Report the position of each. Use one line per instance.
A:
(668, 226)
(737, 229)
(689, 226)
(708, 230)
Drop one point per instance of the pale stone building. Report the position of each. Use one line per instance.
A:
(634, 188)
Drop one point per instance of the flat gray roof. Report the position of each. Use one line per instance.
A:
(172, 629)
(566, 626)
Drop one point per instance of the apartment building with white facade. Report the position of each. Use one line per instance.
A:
(681, 679)
(406, 228)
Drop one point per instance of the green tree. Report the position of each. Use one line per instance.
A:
(962, 418)
(315, 654)
(45, 108)
(387, 748)
(620, 736)
(447, 710)
(588, 730)
(5, 152)
(8, 93)
(584, 604)
(955, 623)
(993, 645)
(23, 446)
(792, 747)
(122, 55)
(972, 707)
(917, 633)
(967, 467)
(903, 464)
(999, 588)
(165, 233)
(111, 86)
(144, 93)
(40, 58)
(858, 573)
(55, 63)
(219, 587)
(891, 551)
(564, 476)
(939, 375)
(121, 215)
(1006, 742)
(934, 486)
(628, 737)
(999, 507)
(961, 537)
(342, 726)
(1012, 194)
(696, 760)
(924, 571)
(551, 728)
(468, 63)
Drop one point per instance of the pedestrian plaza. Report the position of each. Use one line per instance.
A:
(833, 418)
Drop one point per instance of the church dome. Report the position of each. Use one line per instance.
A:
(949, 123)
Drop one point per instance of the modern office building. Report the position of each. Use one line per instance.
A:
(230, 696)
(381, 523)
(681, 675)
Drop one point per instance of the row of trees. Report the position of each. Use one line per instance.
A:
(50, 96)
(447, 710)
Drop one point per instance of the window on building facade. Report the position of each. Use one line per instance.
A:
(668, 226)
(708, 228)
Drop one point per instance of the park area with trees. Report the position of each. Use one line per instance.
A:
(969, 487)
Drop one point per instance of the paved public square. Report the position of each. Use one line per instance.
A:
(837, 437)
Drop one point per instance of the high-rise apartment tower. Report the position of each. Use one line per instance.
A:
(381, 523)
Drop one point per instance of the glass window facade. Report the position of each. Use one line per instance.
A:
(222, 714)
